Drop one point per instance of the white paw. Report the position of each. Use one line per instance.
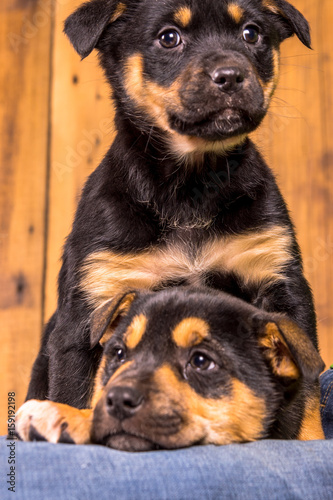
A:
(53, 422)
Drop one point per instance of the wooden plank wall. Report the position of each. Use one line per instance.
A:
(55, 125)
(24, 149)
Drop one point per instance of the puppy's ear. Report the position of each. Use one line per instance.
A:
(104, 319)
(85, 26)
(289, 350)
(292, 21)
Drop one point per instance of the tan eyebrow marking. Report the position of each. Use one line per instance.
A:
(183, 16)
(190, 331)
(136, 331)
(236, 12)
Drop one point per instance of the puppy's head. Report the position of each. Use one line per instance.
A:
(201, 72)
(186, 367)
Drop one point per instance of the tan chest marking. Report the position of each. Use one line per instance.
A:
(257, 258)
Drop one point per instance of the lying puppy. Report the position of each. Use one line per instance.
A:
(182, 197)
(182, 367)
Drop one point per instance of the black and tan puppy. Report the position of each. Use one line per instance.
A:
(182, 367)
(182, 196)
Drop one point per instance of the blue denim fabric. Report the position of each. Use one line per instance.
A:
(265, 470)
(326, 406)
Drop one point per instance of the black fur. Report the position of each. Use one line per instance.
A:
(143, 194)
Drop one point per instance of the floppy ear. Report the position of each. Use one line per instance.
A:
(104, 319)
(292, 21)
(85, 26)
(289, 350)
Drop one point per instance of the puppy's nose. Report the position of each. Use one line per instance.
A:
(122, 402)
(229, 79)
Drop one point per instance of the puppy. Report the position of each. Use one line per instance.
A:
(182, 197)
(183, 367)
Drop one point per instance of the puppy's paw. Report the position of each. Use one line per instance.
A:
(53, 422)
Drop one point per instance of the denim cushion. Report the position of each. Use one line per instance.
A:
(265, 470)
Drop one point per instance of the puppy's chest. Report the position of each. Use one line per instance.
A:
(256, 258)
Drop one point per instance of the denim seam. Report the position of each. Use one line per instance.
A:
(327, 393)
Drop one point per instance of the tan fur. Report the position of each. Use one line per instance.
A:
(258, 258)
(135, 331)
(236, 12)
(311, 360)
(311, 427)
(120, 371)
(106, 337)
(183, 16)
(282, 366)
(98, 385)
(193, 148)
(102, 312)
(270, 86)
(237, 417)
(50, 418)
(120, 9)
(149, 96)
(190, 331)
(271, 5)
(155, 101)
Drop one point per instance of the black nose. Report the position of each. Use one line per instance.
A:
(228, 79)
(123, 402)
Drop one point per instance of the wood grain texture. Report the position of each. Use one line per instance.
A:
(82, 130)
(51, 101)
(296, 139)
(25, 41)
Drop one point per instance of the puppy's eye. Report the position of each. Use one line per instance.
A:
(200, 362)
(251, 34)
(170, 39)
(119, 354)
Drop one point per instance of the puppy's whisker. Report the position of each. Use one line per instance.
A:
(288, 65)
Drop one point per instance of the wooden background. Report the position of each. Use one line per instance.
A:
(55, 125)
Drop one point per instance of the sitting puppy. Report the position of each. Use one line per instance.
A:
(183, 367)
(182, 197)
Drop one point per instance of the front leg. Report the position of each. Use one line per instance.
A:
(53, 422)
(72, 364)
